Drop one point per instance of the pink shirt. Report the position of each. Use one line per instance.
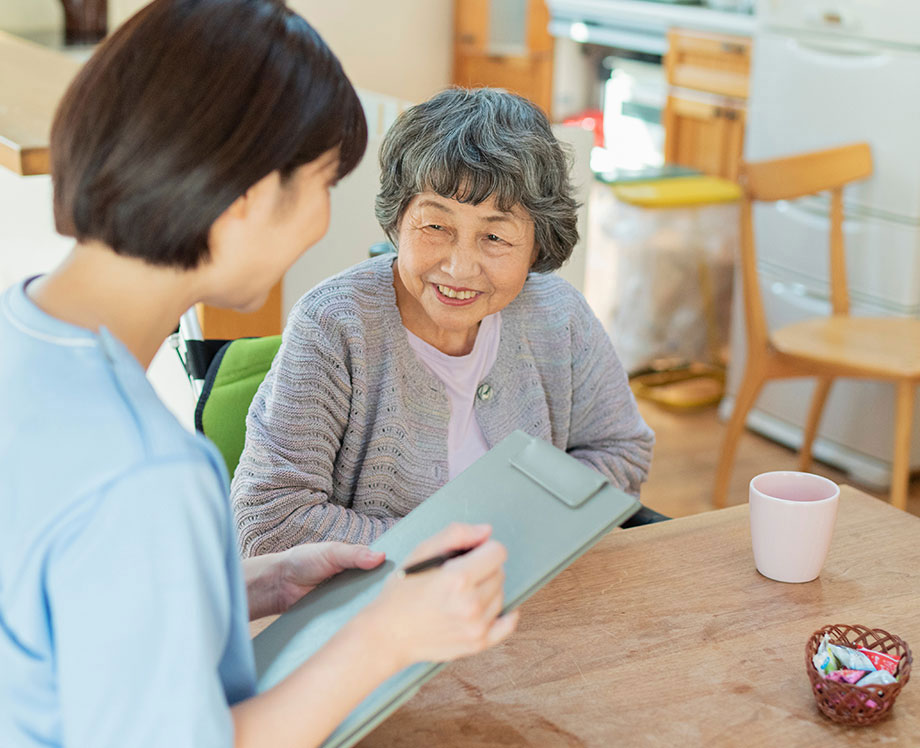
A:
(461, 376)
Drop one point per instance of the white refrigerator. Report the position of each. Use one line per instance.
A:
(823, 74)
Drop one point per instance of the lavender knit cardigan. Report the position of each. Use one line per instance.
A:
(348, 432)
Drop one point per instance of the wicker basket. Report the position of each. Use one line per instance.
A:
(857, 705)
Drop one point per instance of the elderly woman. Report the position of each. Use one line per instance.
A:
(397, 374)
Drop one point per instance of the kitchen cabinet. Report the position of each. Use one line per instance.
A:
(505, 44)
(705, 112)
(704, 135)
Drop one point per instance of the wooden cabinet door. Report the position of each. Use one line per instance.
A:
(704, 135)
(716, 63)
(530, 78)
(527, 70)
(705, 113)
(226, 324)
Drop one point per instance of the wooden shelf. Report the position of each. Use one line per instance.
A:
(704, 117)
(527, 71)
(32, 81)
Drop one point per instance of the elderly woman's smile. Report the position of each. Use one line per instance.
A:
(459, 262)
(456, 296)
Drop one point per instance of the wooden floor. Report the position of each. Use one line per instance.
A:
(686, 452)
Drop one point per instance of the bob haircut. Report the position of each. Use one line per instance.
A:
(185, 107)
(473, 144)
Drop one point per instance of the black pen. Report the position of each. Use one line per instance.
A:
(434, 561)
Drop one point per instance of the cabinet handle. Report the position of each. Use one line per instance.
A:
(724, 113)
(467, 38)
(733, 48)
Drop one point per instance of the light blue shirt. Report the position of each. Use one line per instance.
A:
(123, 613)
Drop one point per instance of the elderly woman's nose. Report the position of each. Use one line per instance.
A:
(462, 260)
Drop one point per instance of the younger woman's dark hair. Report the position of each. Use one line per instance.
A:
(185, 107)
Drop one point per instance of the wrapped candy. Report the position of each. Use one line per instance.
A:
(882, 660)
(877, 678)
(823, 660)
(861, 667)
(851, 659)
(846, 676)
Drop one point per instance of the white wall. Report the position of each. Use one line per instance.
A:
(581, 142)
(398, 47)
(30, 15)
(28, 242)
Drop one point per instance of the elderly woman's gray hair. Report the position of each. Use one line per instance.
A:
(472, 144)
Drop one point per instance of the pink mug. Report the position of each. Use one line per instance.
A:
(792, 522)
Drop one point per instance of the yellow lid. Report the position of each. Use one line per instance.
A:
(679, 191)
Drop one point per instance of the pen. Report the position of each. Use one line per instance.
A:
(434, 561)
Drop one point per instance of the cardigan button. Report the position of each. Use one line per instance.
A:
(485, 392)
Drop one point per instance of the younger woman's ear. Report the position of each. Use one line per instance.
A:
(262, 195)
(238, 208)
(227, 227)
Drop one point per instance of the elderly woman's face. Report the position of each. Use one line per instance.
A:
(458, 263)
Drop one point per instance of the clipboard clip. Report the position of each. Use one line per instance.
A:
(555, 472)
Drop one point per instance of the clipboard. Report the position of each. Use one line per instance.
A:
(546, 507)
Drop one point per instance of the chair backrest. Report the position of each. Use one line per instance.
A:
(786, 179)
(225, 375)
(233, 377)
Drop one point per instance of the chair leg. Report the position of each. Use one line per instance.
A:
(744, 401)
(903, 422)
(822, 388)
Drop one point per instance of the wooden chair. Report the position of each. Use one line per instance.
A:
(828, 347)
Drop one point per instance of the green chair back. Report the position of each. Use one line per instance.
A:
(233, 377)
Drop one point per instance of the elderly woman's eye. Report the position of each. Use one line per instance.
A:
(435, 226)
(494, 238)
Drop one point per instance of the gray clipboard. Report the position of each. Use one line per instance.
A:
(544, 506)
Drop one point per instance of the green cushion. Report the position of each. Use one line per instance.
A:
(232, 380)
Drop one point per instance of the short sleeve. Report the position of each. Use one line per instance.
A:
(141, 607)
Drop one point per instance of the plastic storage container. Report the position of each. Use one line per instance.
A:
(661, 260)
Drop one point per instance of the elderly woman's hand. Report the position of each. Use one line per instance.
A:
(276, 581)
(446, 612)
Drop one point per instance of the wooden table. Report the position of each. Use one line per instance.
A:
(32, 81)
(666, 635)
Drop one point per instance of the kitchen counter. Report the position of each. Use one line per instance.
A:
(32, 81)
(638, 24)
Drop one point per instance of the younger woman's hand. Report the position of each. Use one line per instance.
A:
(446, 612)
